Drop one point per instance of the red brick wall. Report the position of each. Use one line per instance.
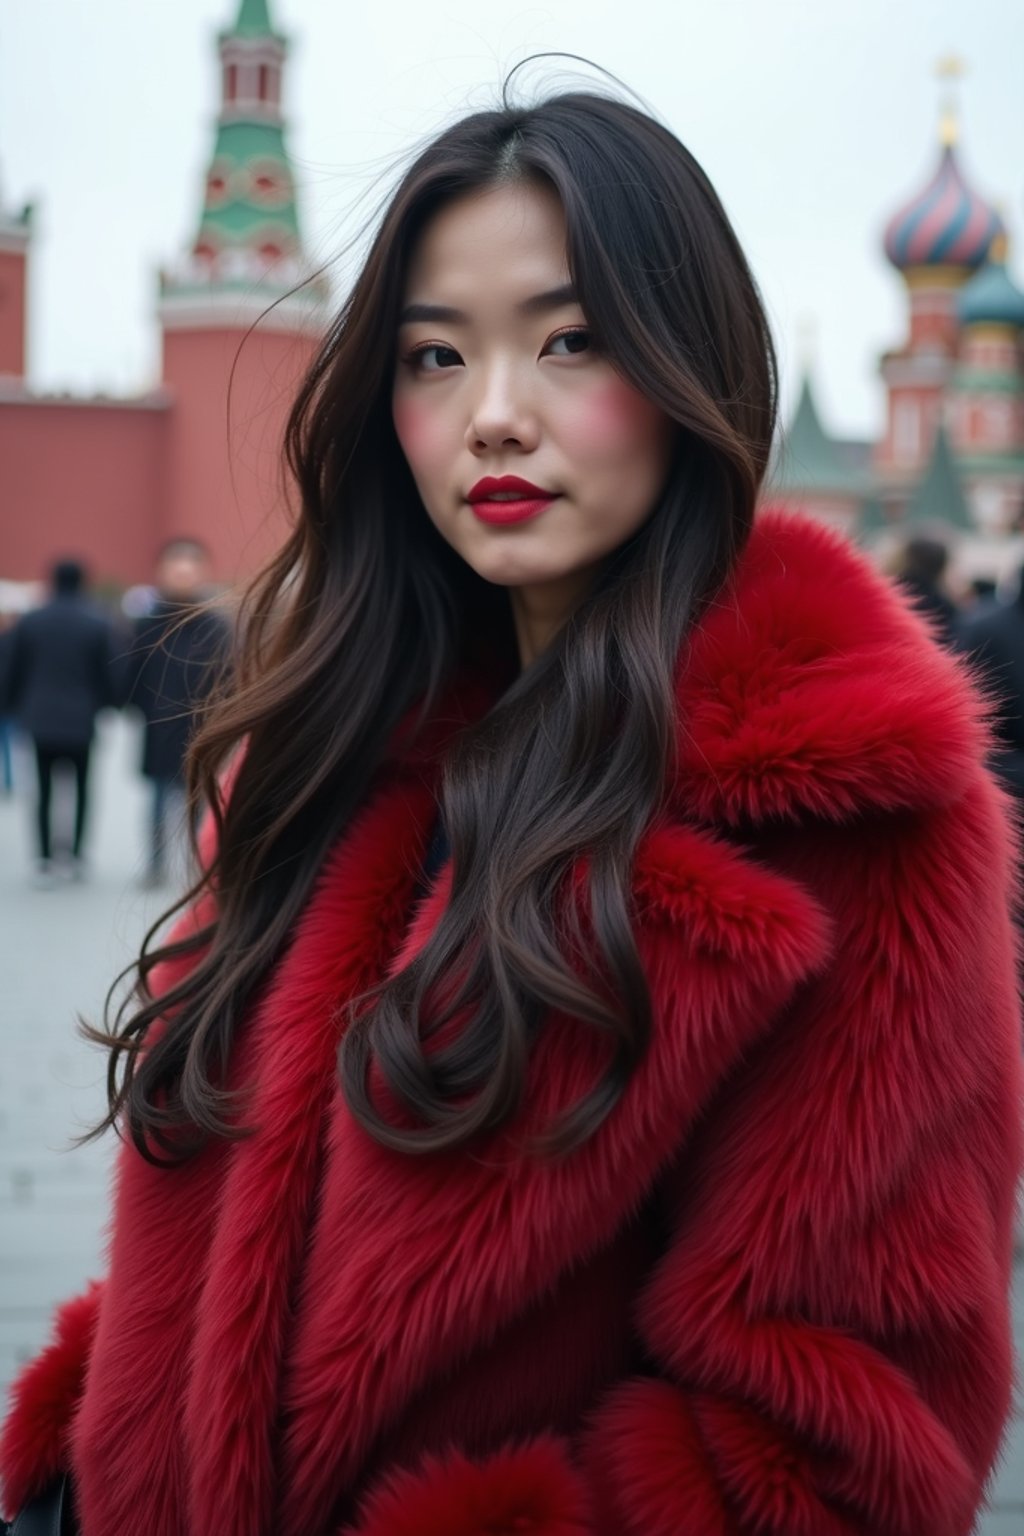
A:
(81, 480)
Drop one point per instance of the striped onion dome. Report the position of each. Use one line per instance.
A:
(947, 224)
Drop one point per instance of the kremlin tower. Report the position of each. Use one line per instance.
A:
(239, 313)
(248, 229)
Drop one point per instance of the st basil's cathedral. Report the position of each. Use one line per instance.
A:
(951, 459)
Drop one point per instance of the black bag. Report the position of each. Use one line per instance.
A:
(48, 1515)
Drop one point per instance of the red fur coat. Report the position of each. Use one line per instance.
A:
(769, 1296)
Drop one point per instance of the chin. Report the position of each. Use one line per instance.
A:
(518, 573)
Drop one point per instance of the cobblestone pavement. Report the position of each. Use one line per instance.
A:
(60, 949)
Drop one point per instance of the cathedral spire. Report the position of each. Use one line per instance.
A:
(949, 69)
(939, 495)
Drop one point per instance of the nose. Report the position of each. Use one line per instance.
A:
(502, 415)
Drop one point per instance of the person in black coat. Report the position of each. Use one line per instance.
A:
(921, 570)
(178, 652)
(58, 673)
(995, 639)
(7, 622)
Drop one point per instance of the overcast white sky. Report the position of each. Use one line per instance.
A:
(814, 119)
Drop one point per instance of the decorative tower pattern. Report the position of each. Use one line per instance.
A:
(986, 406)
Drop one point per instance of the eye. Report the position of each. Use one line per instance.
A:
(445, 355)
(577, 340)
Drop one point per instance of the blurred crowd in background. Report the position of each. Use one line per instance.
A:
(161, 651)
(986, 622)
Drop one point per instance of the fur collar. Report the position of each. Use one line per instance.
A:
(810, 689)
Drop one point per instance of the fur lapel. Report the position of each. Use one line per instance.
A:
(809, 690)
(332, 1279)
(355, 923)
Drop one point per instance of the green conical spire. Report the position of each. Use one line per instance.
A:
(808, 459)
(939, 495)
(253, 20)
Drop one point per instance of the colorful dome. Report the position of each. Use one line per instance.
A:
(992, 297)
(947, 224)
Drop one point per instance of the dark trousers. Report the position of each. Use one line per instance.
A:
(78, 759)
(6, 764)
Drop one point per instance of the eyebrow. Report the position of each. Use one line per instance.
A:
(539, 304)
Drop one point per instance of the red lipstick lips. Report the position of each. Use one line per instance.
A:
(493, 502)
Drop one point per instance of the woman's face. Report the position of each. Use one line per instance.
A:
(498, 375)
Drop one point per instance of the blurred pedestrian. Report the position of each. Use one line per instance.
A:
(982, 597)
(57, 675)
(920, 568)
(995, 639)
(7, 621)
(178, 650)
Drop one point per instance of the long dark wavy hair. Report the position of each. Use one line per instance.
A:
(366, 615)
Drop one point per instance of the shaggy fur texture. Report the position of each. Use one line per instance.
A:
(768, 1298)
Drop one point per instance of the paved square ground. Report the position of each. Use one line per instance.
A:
(59, 950)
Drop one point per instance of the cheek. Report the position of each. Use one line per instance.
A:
(411, 427)
(422, 436)
(614, 421)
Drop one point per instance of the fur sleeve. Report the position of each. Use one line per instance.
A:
(831, 1319)
(33, 1443)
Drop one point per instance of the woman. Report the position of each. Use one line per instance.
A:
(583, 1095)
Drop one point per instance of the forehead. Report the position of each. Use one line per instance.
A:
(508, 238)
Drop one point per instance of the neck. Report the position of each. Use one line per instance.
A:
(540, 611)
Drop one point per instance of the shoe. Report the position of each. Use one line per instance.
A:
(44, 878)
